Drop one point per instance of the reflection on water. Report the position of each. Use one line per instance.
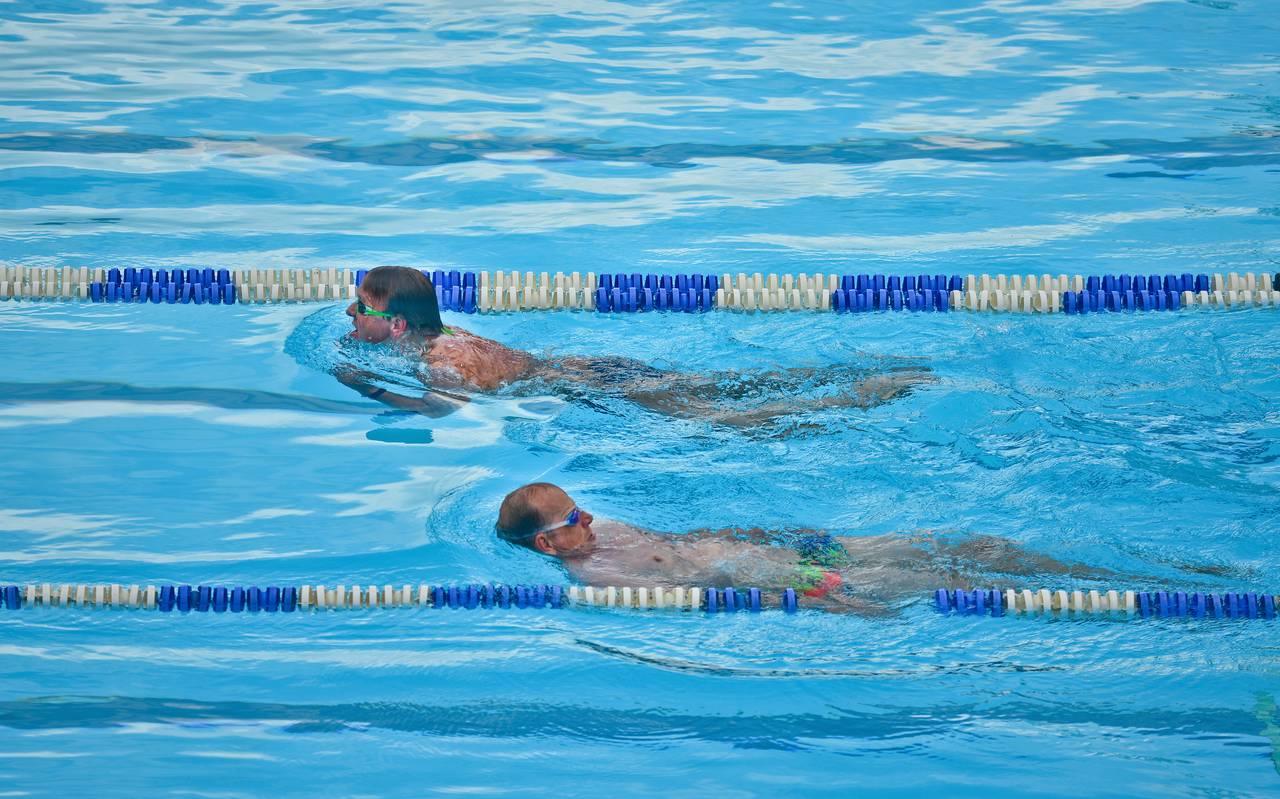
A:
(1197, 154)
(538, 720)
(1074, 136)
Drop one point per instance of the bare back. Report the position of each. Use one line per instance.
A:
(628, 555)
(464, 360)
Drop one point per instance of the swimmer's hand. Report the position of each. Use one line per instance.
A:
(355, 378)
(434, 403)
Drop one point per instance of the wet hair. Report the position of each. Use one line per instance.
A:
(522, 512)
(407, 293)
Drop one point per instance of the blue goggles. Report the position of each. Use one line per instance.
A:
(569, 521)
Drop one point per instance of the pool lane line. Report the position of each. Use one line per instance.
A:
(499, 291)
(288, 599)
(1044, 601)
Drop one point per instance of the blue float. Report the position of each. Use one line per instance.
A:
(789, 602)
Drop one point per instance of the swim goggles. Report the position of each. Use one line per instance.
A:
(365, 310)
(569, 521)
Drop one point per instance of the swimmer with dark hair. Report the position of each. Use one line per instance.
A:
(866, 575)
(397, 305)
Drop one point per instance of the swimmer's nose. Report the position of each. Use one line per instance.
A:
(351, 310)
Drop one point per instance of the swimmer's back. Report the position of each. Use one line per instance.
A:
(460, 358)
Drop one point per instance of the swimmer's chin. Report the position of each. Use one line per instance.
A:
(580, 554)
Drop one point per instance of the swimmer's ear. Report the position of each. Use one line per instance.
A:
(542, 544)
(399, 325)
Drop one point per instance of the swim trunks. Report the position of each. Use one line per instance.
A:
(820, 558)
(814, 581)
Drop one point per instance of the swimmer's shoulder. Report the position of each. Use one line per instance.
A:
(460, 340)
(483, 363)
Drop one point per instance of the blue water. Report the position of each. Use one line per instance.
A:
(158, 443)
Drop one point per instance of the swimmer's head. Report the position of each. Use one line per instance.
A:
(542, 517)
(395, 301)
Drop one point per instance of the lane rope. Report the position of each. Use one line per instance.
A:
(1044, 601)
(603, 292)
(289, 599)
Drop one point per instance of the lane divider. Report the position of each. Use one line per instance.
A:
(288, 599)
(172, 286)
(1182, 604)
(603, 292)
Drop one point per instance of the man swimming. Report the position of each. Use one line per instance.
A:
(397, 305)
(866, 575)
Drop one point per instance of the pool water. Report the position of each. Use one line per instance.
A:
(210, 445)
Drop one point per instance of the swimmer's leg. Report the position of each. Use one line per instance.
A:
(699, 400)
(881, 388)
(991, 553)
(856, 388)
(778, 393)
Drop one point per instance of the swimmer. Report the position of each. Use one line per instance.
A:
(866, 575)
(397, 305)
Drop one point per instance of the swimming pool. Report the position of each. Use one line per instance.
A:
(182, 444)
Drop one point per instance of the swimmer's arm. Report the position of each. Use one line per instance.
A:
(434, 403)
